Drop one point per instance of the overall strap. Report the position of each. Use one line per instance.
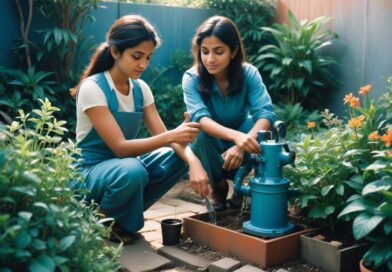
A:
(111, 97)
(137, 96)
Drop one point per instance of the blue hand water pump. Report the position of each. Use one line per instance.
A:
(268, 188)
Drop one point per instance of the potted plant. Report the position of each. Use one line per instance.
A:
(371, 208)
(331, 166)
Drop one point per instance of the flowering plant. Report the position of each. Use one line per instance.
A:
(332, 163)
(370, 207)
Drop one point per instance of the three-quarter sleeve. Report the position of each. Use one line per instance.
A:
(193, 101)
(259, 100)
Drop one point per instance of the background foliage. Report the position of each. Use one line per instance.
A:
(298, 70)
(49, 63)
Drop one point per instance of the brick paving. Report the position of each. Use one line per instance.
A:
(148, 253)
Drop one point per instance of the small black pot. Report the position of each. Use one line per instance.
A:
(171, 231)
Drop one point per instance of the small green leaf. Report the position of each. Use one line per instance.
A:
(21, 253)
(355, 206)
(22, 239)
(5, 250)
(25, 215)
(340, 189)
(376, 186)
(42, 264)
(388, 196)
(364, 224)
(329, 210)
(66, 242)
(388, 228)
(38, 244)
(325, 190)
(386, 209)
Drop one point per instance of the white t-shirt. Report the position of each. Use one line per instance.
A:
(91, 95)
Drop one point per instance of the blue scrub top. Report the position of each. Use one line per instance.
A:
(229, 110)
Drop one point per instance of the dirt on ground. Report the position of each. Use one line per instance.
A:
(204, 251)
(233, 223)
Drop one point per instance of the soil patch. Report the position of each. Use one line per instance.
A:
(204, 251)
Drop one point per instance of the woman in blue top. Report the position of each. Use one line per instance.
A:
(229, 100)
(123, 174)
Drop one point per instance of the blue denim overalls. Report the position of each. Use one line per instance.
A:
(125, 187)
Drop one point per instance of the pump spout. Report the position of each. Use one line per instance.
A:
(242, 172)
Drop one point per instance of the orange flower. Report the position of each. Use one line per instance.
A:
(390, 153)
(373, 136)
(365, 89)
(356, 121)
(311, 124)
(348, 98)
(354, 102)
(387, 138)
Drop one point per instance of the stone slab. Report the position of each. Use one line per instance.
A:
(184, 258)
(224, 265)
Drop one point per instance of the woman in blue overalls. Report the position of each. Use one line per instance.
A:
(229, 100)
(123, 174)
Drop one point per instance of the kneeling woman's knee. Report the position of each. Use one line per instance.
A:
(133, 173)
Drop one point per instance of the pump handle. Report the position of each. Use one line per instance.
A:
(279, 131)
(293, 155)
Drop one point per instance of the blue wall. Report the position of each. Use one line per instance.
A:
(10, 30)
(175, 25)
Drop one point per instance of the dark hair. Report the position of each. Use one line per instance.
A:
(226, 31)
(127, 32)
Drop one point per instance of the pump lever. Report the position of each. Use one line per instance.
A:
(292, 154)
(279, 131)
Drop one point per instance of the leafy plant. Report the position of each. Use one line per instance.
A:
(297, 69)
(249, 17)
(54, 56)
(43, 227)
(331, 163)
(370, 207)
(295, 117)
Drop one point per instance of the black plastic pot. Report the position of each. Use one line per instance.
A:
(171, 231)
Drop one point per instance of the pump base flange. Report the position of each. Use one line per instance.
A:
(267, 232)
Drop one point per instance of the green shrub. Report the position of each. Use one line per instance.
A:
(249, 17)
(295, 118)
(332, 165)
(43, 227)
(297, 70)
(370, 207)
(49, 64)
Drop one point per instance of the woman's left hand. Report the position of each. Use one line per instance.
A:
(199, 179)
(233, 158)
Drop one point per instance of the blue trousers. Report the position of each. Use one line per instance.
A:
(126, 187)
(209, 151)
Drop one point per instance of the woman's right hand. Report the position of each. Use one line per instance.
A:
(247, 142)
(186, 132)
(199, 179)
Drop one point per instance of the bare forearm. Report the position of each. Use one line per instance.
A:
(185, 152)
(261, 124)
(141, 146)
(216, 130)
